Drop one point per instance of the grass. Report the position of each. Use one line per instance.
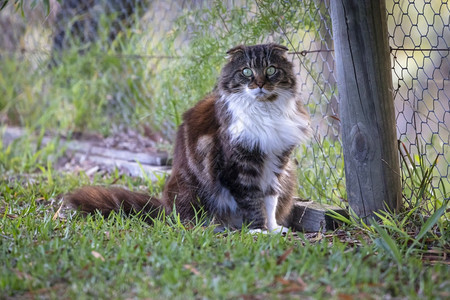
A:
(124, 257)
(117, 257)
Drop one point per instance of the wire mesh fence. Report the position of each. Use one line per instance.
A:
(419, 36)
(90, 63)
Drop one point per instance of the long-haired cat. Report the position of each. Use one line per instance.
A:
(232, 151)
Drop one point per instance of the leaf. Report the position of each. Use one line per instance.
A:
(291, 286)
(435, 256)
(345, 297)
(192, 269)
(97, 255)
(283, 256)
(335, 117)
(57, 213)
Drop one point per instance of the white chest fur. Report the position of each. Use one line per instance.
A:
(270, 126)
(273, 127)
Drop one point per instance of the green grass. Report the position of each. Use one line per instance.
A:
(118, 257)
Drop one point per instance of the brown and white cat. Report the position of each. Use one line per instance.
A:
(232, 151)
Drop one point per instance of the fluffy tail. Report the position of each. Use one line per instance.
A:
(90, 199)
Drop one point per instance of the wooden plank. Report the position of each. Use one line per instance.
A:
(153, 159)
(152, 165)
(131, 168)
(311, 216)
(76, 146)
(366, 105)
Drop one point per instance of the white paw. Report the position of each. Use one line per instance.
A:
(279, 229)
(257, 231)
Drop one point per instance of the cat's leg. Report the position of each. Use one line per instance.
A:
(252, 211)
(271, 202)
(249, 200)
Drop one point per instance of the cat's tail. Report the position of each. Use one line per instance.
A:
(90, 199)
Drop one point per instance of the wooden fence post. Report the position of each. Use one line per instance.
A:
(366, 105)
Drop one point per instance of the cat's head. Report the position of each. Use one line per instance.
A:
(262, 72)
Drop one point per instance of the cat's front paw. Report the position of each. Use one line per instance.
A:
(258, 231)
(279, 229)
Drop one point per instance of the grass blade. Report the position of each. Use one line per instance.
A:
(388, 243)
(339, 217)
(426, 180)
(431, 221)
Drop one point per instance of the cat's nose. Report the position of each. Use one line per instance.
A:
(260, 83)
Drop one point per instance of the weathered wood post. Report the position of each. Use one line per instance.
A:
(366, 105)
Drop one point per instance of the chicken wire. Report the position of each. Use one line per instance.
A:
(418, 35)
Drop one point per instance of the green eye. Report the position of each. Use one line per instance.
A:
(247, 72)
(270, 71)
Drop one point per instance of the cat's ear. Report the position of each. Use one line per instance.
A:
(282, 49)
(235, 52)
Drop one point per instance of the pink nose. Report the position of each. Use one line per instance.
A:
(260, 82)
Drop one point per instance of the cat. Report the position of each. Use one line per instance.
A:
(232, 154)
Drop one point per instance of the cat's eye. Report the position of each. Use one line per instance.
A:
(270, 71)
(247, 72)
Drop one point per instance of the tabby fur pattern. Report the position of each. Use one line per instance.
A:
(232, 154)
